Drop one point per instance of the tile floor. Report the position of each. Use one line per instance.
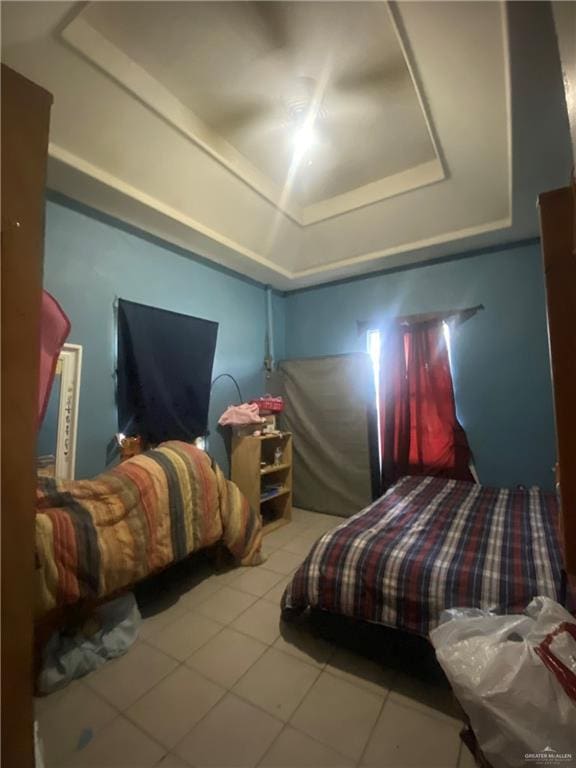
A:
(215, 679)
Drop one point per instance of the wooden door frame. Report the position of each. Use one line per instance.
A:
(25, 123)
(558, 229)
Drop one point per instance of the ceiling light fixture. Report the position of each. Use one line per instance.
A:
(304, 111)
(305, 137)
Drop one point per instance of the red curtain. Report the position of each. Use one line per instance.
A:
(420, 434)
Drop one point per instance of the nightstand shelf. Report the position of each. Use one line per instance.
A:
(270, 470)
(254, 470)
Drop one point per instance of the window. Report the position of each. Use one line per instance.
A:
(373, 349)
(448, 340)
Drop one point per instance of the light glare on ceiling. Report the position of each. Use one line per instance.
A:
(304, 139)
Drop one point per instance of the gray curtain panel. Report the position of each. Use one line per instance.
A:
(326, 405)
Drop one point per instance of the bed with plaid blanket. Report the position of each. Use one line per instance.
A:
(429, 544)
(94, 537)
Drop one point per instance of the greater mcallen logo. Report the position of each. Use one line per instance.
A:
(548, 756)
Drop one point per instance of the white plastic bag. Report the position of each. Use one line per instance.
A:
(518, 709)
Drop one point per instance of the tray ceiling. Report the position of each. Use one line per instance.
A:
(432, 130)
(259, 75)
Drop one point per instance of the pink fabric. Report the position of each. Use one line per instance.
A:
(236, 415)
(54, 330)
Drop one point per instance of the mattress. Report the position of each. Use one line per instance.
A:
(430, 544)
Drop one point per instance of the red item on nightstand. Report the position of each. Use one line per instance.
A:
(269, 404)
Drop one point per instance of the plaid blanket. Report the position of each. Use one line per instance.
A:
(94, 537)
(430, 544)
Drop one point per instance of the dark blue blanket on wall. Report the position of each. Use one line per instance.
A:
(164, 372)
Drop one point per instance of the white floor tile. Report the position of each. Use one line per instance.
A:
(256, 581)
(157, 621)
(234, 734)
(361, 671)
(277, 683)
(296, 527)
(172, 761)
(225, 605)
(74, 715)
(293, 749)
(199, 593)
(304, 516)
(276, 539)
(223, 578)
(275, 594)
(406, 737)
(227, 657)
(301, 545)
(300, 641)
(326, 523)
(119, 745)
(281, 535)
(43, 703)
(283, 562)
(434, 699)
(174, 706)
(338, 714)
(261, 620)
(185, 635)
(338, 705)
(122, 681)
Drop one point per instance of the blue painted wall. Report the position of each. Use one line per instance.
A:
(89, 262)
(502, 377)
(279, 322)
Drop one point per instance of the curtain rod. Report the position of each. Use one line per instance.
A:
(460, 314)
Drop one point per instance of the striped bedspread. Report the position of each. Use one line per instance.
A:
(430, 544)
(96, 536)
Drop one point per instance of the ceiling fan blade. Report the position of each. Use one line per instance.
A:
(241, 117)
(272, 18)
(350, 105)
(386, 77)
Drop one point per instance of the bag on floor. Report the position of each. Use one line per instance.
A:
(515, 677)
(113, 630)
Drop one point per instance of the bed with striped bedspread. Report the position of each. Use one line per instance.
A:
(429, 544)
(94, 537)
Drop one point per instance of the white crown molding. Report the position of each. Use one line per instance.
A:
(273, 273)
(404, 47)
(414, 178)
(97, 49)
(113, 182)
(415, 245)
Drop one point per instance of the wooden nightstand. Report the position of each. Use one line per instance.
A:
(266, 485)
